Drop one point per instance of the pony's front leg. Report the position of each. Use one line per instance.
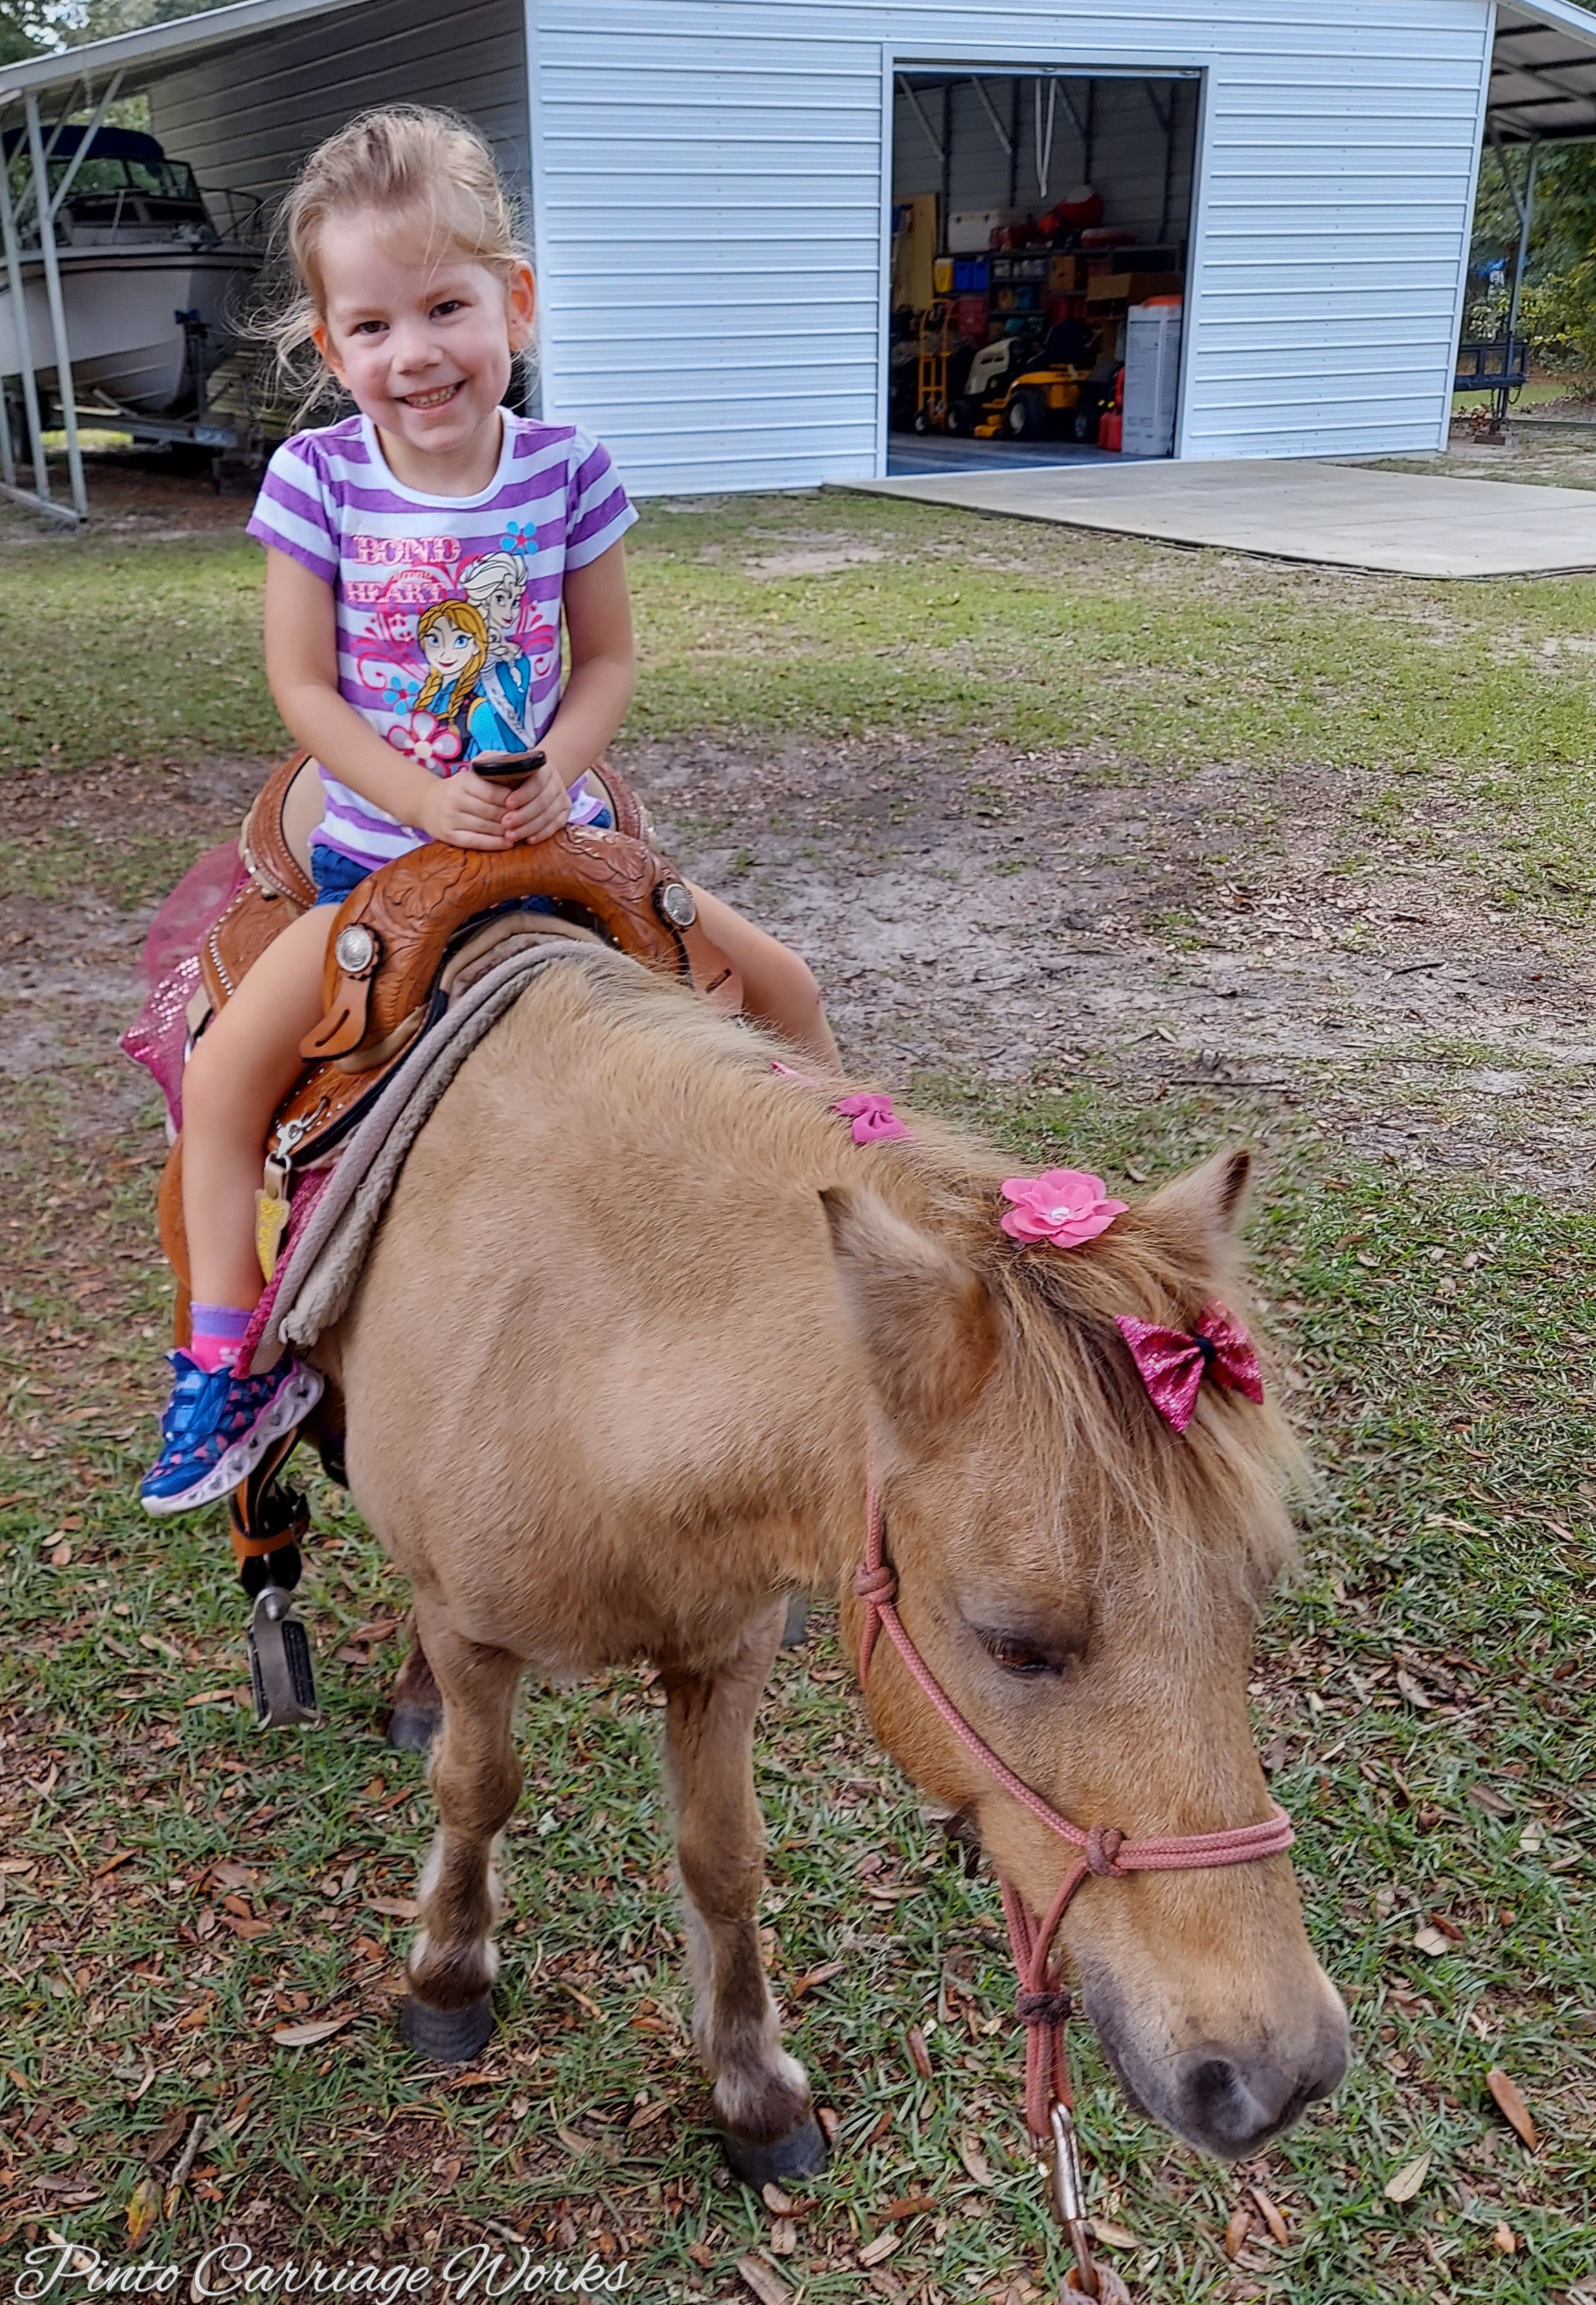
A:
(760, 2094)
(476, 1782)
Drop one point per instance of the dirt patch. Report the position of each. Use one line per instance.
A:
(153, 498)
(1535, 450)
(1027, 919)
(821, 559)
(1033, 918)
(72, 933)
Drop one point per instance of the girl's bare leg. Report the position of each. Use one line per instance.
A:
(778, 988)
(244, 1066)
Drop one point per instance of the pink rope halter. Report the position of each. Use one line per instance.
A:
(1066, 1208)
(1044, 2001)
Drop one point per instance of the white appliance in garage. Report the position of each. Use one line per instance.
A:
(1152, 334)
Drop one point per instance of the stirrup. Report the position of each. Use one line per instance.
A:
(269, 1520)
(282, 1670)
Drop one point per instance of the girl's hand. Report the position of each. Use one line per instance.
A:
(464, 812)
(534, 809)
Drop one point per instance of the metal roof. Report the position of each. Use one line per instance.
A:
(141, 57)
(1543, 74)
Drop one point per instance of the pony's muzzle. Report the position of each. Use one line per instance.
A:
(1227, 2096)
(1232, 2101)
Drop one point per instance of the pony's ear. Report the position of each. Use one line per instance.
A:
(1197, 1214)
(926, 1319)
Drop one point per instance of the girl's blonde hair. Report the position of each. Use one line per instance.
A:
(470, 621)
(407, 161)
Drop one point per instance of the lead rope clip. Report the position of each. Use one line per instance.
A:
(1089, 2276)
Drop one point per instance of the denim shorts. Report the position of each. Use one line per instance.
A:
(336, 874)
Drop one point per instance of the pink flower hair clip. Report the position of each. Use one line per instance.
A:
(1064, 1207)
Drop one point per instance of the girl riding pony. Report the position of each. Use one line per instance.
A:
(421, 555)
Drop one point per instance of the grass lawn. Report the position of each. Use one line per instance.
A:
(176, 1888)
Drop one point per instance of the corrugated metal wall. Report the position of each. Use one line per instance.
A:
(244, 117)
(710, 180)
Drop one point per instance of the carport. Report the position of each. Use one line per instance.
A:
(1542, 90)
(242, 93)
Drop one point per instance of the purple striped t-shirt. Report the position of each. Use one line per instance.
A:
(448, 608)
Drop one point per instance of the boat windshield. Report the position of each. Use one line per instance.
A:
(165, 180)
(104, 186)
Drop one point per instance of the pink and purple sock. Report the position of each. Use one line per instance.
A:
(217, 1330)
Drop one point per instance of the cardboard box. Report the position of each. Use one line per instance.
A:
(1066, 276)
(1133, 287)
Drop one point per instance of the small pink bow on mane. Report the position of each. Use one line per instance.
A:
(1173, 1364)
(873, 1119)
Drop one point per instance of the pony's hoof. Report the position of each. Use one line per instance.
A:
(446, 2036)
(795, 1631)
(803, 2152)
(411, 1728)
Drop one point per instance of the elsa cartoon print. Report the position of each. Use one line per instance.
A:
(495, 587)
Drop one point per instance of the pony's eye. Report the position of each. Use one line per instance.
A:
(1018, 1655)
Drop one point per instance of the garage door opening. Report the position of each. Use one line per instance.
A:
(1040, 229)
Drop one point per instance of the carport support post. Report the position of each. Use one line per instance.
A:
(19, 307)
(1526, 218)
(43, 209)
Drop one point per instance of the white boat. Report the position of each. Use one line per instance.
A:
(137, 248)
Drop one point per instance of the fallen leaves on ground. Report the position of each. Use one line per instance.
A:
(305, 2036)
(763, 2279)
(1272, 2216)
(975, 2160)
(142, 2210)
(1409, 2179)
(1510, 2104)
(173, 2129)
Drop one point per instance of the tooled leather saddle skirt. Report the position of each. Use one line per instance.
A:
(409, 936)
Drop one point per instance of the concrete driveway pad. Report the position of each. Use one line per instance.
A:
(1344, 515)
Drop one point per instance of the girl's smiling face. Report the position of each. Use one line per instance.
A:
(446, 647)
(423, 339)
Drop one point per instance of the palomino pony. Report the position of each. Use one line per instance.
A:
(639, 1314)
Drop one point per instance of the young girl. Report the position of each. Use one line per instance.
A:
(417, 297)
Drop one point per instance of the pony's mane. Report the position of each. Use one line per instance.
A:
(1172, 1498)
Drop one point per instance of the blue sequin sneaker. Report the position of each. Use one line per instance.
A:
(218, 1426)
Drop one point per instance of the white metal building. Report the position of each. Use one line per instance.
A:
(710, 184)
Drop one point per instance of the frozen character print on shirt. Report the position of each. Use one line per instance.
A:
(475, 694)
(453, 638)
(500, 720)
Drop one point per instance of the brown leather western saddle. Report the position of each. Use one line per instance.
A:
(402, 940)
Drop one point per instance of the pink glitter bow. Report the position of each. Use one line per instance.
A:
(1062, 1207)
(873, 1119)
(1173, 1364)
